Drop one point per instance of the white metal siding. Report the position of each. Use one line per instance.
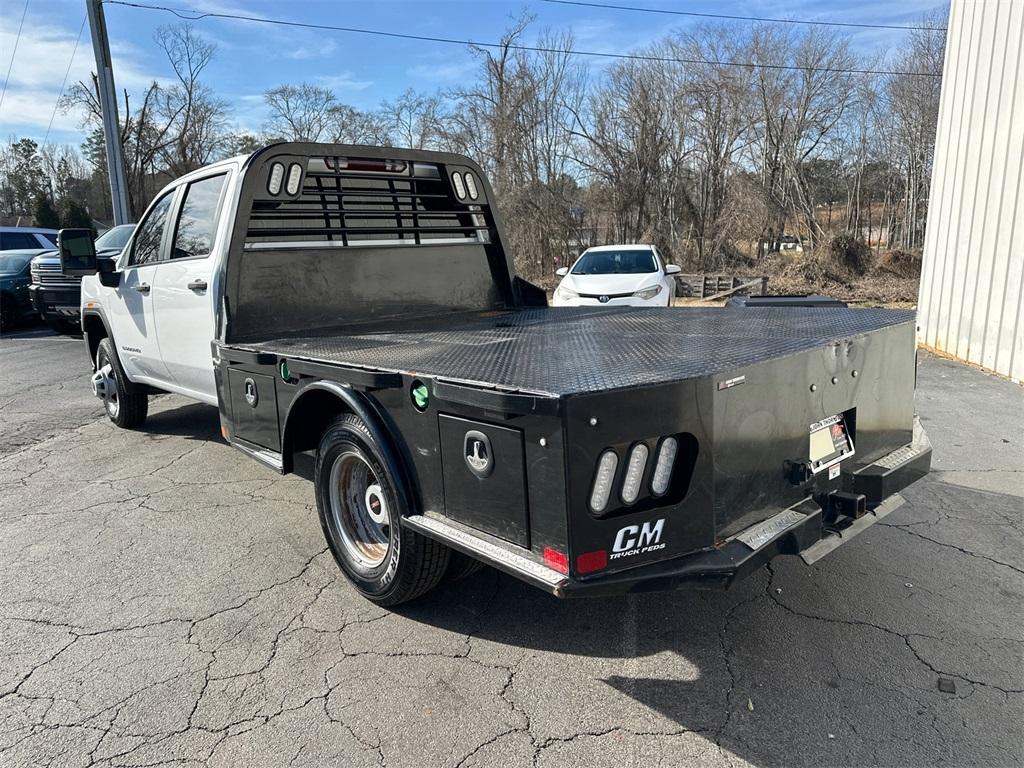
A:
(972, 282)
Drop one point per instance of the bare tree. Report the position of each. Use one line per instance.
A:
(198, 120)
(413, 120)
(914, 105)
(302, 112)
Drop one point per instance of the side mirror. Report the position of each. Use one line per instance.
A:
(672, 269)
(562, 271)
(107, 272)
(77, 252)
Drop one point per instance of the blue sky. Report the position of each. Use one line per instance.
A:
(362, 70)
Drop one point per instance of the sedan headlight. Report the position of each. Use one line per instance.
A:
(648, 293)
(566, 294)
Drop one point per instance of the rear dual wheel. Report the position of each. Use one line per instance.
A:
(362, 519)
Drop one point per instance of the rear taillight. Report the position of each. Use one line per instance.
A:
(294, 179)
(667, 451)
(602, 489)
(474, 193)
(634, 473)
(460, 187)
(276, 179)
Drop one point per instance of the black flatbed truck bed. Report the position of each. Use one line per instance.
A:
(381, 294)
(560, 352)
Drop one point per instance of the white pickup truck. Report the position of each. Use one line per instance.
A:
(358, 304)
(159, 310)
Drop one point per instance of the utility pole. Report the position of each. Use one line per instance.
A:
(108, 106)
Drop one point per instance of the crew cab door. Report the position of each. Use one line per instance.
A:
(131, 314)
(183, 294)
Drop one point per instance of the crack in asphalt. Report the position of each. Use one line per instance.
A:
(906, 529)
(222, 698)
(904, 637)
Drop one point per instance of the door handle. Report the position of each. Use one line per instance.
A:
(142, 287)
(197, 285)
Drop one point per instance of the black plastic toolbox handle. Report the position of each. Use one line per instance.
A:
(496, 400)
(358, 378)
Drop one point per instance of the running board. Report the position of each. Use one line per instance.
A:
(476, 546)
(835, 538)
(266, 457)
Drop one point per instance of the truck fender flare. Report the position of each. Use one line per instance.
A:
(131, 387)
(363, 407)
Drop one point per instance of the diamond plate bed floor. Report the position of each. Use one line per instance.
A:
(565, 351)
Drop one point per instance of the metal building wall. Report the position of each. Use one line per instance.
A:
(972, 281)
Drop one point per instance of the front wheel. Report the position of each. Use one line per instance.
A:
(127, 410)
(362, 519)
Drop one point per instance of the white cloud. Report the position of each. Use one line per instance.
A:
(305, 52)
(453, 71)
(40, 62)
(344, 81)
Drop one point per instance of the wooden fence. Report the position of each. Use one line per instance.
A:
(718, 286)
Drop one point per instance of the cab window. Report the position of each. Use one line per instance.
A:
(150, 233)
(197, 222)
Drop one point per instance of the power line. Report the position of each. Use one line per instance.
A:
(183, 13)
(64, 82)
(14, 51)
(746, 18)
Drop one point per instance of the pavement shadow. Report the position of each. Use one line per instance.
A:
(192, 421)
(770, 676)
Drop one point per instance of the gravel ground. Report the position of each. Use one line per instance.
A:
(166, 601)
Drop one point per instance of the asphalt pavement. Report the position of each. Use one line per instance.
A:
(165, 600)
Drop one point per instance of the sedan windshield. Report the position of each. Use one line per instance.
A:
(631, 262)
(13, 263)
(115, 237)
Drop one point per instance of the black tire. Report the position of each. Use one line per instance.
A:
(60, 325)
(387, 563)
(125, 409)
(460, 566)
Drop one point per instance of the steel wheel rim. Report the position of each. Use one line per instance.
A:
(365, 540)
(110, 402)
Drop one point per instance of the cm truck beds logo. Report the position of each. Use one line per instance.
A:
(636, 539)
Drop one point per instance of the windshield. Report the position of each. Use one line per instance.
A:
(115, 237)
(12, 263)
(631, 262)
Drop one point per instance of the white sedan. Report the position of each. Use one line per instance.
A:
(617, 276)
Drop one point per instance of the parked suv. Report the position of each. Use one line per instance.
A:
(14, 303)
(56, 296)
(27, 238)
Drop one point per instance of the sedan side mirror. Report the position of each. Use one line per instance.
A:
(562, 271)
(672, 269)
(77, 252)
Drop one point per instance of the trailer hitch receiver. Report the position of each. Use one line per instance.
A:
(842, 504)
